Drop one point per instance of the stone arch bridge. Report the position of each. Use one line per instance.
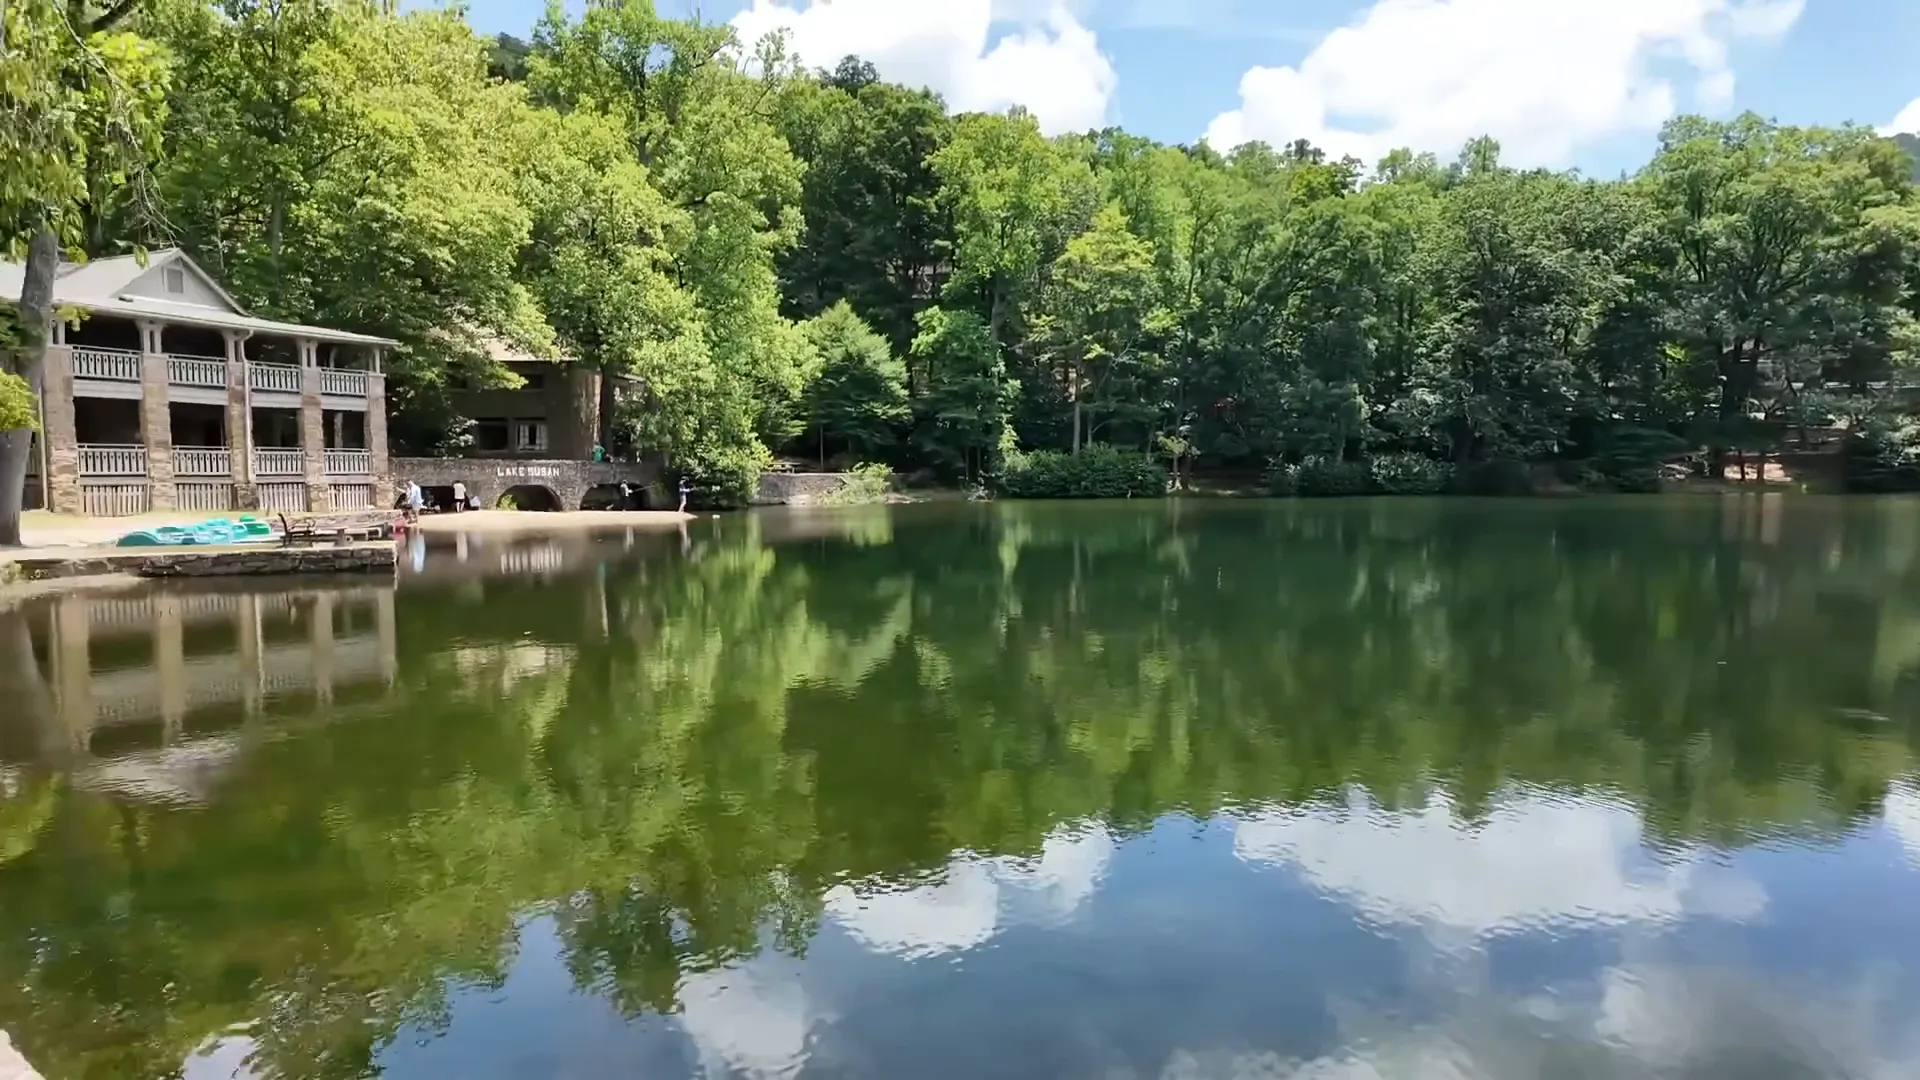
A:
(488, 479)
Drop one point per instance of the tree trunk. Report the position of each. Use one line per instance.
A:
(36, 314)
(603, 422)
(1074, 383)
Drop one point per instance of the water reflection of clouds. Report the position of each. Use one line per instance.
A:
(1532, 864)
(1643, 1018)
(975, 898)
(1902, 814)
(752, 1019)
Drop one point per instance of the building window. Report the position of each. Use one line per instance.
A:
(490, 435)
(531, 435)
(535, 381)
(176, 279)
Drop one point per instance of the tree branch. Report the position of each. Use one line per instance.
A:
(106, 19)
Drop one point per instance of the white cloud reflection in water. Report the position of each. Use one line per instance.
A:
(975, 898)
(1532, 864)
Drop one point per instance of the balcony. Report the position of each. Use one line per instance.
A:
(198, 461)
(117, 365)
(343, 382)
(276, 378)
(349, 462)
(278, 463)
(99, 460)
(197, 371)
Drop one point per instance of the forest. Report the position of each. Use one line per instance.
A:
(829, 266)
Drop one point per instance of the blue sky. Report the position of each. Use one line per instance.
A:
(1581, 83)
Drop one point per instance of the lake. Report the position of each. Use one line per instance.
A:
(1369, 790)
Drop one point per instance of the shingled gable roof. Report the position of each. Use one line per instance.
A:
(102, 285)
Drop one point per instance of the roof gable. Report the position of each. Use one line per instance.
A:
(174, 277)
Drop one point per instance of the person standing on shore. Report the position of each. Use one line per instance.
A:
(459, 496)
(413, 501)
(686, 489)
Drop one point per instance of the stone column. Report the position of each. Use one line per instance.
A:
(156, 422)
(313, 431)
(383, 491)
(61, 467)
(240, 421)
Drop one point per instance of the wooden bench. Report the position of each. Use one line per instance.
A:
(337, 528)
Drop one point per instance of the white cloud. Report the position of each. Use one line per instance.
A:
(1906, 121)
(1050, 62)
(972, 900)
(1533, 862)
(1542, 77)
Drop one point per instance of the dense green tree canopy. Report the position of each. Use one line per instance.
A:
(652, 198)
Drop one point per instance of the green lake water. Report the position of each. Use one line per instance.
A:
(1371, 790)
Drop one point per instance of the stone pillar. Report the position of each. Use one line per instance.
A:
(62, 463)
(383, 490)
(156, 422)
(170, 663)
(313, 431)
(240, 421)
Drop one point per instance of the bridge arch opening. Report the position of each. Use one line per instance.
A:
(529, 497)
(608, 497)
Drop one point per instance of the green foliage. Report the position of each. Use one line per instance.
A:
(858, 400)
(1096, 472)
(1504, 477)
(961, 422)
(866, 483)
(832, 265)
(17, 408)
(1883, 456)
(1319, 477)
(725, 475)
(1630, 458)
(1409, 474)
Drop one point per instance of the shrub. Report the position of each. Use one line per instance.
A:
(865, 483)
(1500, 476)
(1882, 457)
(1630, 457)
(1096, 472)
(1331, 478)
(1283, 480)
(1409, 474)
(16, 403)
(724, 477)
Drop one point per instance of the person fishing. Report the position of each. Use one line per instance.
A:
(686, 489)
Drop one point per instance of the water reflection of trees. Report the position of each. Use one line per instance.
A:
(678, 755)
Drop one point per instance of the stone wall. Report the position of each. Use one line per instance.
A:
(490, 478)
(796, 488)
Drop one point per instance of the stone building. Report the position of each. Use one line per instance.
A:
(168, 395)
